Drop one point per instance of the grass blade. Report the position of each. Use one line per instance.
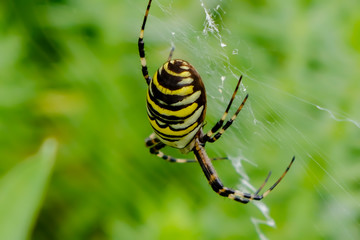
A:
(22, 190)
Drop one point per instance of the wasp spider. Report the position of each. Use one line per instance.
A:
(176, 107)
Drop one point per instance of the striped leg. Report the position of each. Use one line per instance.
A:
(171, 53)
(155, 145)
(210, 137)
(220, 189)
(228, 123)
(141, 46)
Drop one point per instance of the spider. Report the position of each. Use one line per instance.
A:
(176, 107)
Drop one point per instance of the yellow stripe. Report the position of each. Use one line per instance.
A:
(182, 74)
(185, 81)
(170, 132)
(187, 100)
(143, 61)
(185, 67)
(179, 113)
(190, 120)
(181, 92)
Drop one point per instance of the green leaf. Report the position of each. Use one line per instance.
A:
(22, 192)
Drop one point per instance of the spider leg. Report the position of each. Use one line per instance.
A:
(208, 137)
(264, 183)
(217, 185)
(229, 122)
(154, 144)
(171, 53)
(141, 47)
(281, 177)
(172, 159)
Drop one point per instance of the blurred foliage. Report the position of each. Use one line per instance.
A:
(69, 69)
(21, 193)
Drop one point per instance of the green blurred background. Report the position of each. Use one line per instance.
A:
(70, 71)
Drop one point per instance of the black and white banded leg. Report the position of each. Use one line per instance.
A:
(154, 145)
(213, 135)
(220, 189)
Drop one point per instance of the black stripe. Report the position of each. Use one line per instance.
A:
(169, 138)
(172, 138)
(171, 82)
(169, 99)
(171, 119)
(217, 186)
(174, 129)
(176, 64)
(146, 14)
(144, 71)
(161, 117)
(141, 47)
(168, 105)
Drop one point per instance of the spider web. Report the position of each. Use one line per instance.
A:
(212, 48)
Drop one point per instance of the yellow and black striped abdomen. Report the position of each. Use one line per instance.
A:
(176, 103)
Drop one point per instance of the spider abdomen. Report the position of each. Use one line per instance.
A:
(176, 103)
